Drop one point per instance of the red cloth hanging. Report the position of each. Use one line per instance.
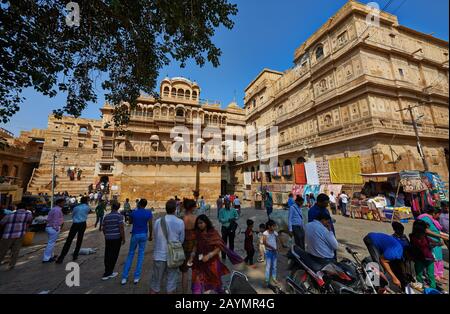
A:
(300, 174)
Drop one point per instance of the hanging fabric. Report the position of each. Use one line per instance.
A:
(323, 171)
(300, 174)
(312, 177)
(345, 170)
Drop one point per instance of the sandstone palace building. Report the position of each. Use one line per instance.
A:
(138, 163)
(345, 94)
(349, 94)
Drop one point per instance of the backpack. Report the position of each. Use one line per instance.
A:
(175, 251)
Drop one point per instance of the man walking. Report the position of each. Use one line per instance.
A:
(100, 213)
(114, 232)
(14, 227)
(167, 229)
(228, 217)
(295, 222)
(344, 199)
(141, 219)
(332, 203)
(55, 221)
(79, 216)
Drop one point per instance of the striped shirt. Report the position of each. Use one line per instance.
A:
(111, 225)
(15, 224)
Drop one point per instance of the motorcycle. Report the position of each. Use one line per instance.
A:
(309, 276)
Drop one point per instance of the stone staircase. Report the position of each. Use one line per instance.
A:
(40, 182)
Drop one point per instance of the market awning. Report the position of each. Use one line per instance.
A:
(381, 174)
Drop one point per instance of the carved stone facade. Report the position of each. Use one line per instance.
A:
(344, 95)
(75, 142)
(18, 157)
(137, 162)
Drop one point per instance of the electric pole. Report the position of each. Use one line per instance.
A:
(53, 180)
(416, 130)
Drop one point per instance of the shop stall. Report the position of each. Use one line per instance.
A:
(399, 196)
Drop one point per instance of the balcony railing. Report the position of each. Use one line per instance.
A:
(6, 180)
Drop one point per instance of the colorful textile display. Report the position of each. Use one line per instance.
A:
(297, 190)
(300, 174)
(345, 170)
(276, 172)
(247, 178)
(287, 171)
(412, 182)
(328, 188)
(324, 172)
(312, 177)
(437, 186)
(315, 189)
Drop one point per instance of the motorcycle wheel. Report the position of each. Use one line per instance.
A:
(305, 282)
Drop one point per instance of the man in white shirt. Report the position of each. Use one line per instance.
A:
(344, 201)
(321, 243)
(175, 233)
(332, 203)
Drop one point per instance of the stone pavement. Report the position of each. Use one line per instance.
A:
(31, 276)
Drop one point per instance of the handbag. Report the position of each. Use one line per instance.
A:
(175, 251)
(233, 226)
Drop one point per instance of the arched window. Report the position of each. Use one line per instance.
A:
(5, 170)
(194, 95)
(287, 168)
(180, 93)
(328, 120)
(319, 52)
(187, 95)
(174, 93)
(214, 120)
(180, 112)
(15, 171)
(166, 91)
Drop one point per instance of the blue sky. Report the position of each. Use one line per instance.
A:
(265, 35)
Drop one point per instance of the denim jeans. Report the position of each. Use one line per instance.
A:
(137, 240)
(271, 265)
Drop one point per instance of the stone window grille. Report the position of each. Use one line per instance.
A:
(342, 39)
(319, 53)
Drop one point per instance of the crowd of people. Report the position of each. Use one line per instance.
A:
(186, 240)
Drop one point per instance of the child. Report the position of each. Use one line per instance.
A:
(270, 239)
(261, 247)
(421, 253)
(248, 243)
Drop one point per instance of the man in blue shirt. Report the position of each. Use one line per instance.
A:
(388, 251)
(291, 201)
(320, 207)
(295, 222)
(141, 219)
(321, 243)
(79, 216)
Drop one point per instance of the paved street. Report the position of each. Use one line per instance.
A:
(31, 276)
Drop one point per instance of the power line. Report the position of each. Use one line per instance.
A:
(398, 8)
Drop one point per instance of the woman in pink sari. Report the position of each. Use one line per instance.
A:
(436, 238)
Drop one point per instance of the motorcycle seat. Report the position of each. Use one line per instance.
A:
(309, 260)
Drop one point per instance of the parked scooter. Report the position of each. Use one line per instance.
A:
(308, 276)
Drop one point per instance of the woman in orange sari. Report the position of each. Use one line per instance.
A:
(208, 269)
